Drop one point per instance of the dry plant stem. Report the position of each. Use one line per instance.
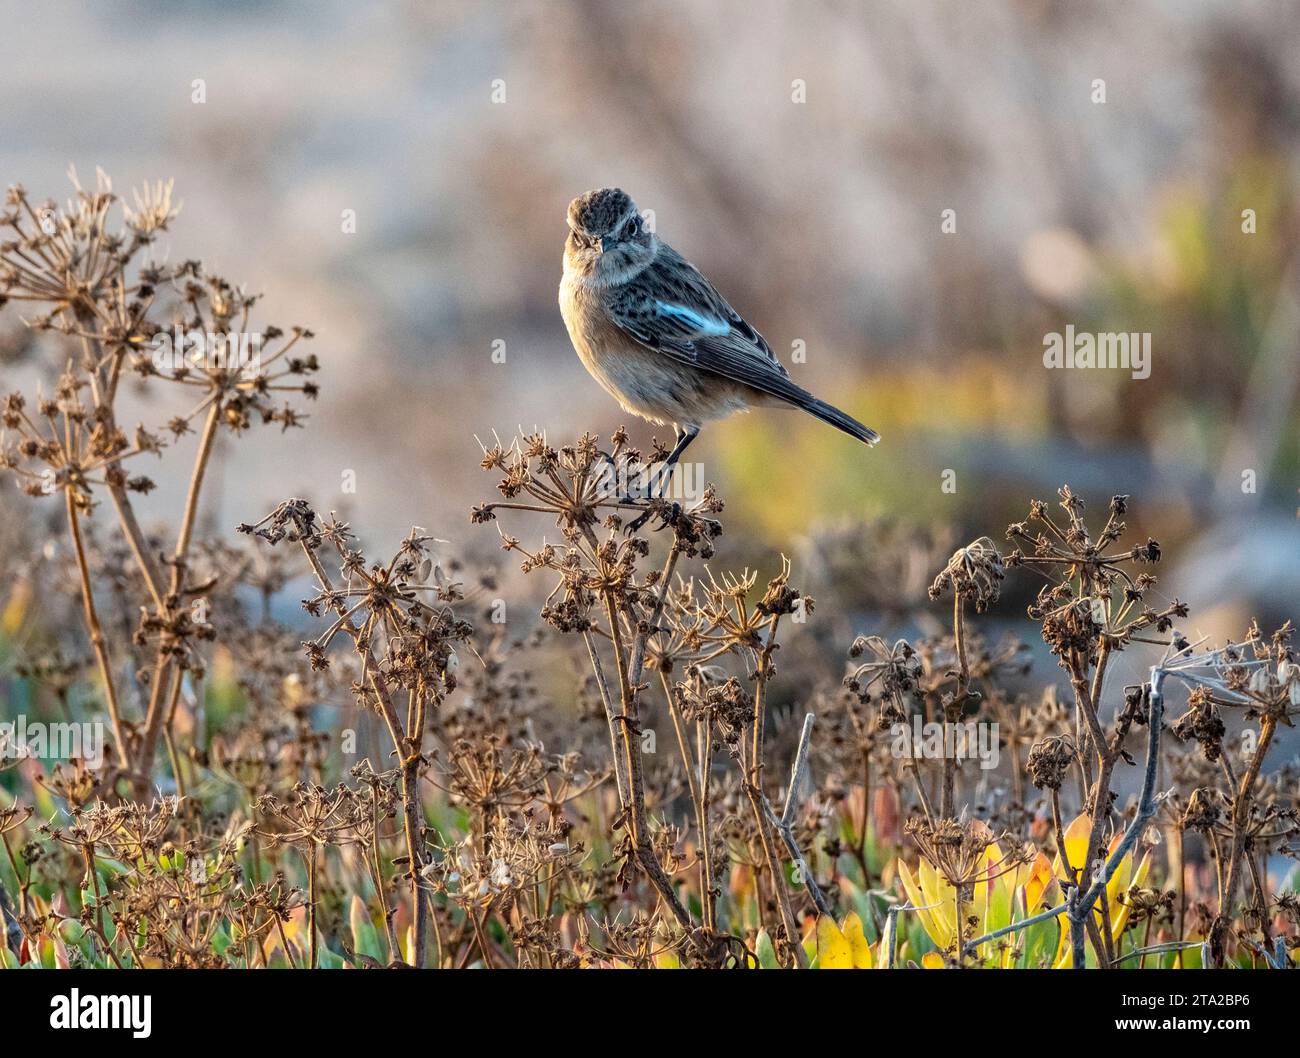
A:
(683, 747)
(437, 935)
(961, 926)
(860, 848)
(177, 679)
(408, 752)
(1240, 812)
(1098, 679)
(1086, 702)
(11, 937)
(139, 547)
(94, 630)
(754, 791)
(1105, 932)
(784, 821)
(481, 937)
(1182, 887)
(88, 854)
(175, 761)
(953, 714)
(377, 871)
(105, 393)
(709, 896)
(698, 788)
(1094, 935)
(629, 728)
(412, 818)
(311, 903)
(914, 766)
(644, 632)
(1082, 904)
(23, 884)
(284, 942)
(1156, 949)
(1259, 897)
(611, 718)
(156, 716)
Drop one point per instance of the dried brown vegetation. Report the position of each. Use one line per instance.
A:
(428, 781)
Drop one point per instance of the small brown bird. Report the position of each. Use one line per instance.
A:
(656, 334)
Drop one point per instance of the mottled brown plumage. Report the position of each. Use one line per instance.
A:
(657, 335)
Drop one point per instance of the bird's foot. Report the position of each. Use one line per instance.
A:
(668, 512)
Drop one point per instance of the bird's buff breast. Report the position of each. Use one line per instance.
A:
(649, 384)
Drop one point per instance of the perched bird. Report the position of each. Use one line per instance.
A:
(656, 334)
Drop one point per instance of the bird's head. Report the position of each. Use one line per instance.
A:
(608, 238)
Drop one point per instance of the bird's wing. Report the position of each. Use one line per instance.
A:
(671, 308)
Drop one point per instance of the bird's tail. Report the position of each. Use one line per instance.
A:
(830, 414)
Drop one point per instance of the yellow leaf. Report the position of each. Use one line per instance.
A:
(1119, 883)
(852, 930)
(939, 893)
(932, 960)
(1076, 845)
(916, 898)
(1040, 877)
(982, 886)
(833, 950)
(1005, 882)
(1118, 911)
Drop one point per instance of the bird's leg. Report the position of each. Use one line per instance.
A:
(684, 438)
(661, 476)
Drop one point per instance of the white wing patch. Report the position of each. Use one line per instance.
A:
(705, 326)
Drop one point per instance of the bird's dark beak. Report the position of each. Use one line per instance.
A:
(607, 243)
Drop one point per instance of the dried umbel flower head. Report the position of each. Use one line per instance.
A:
(1201, 723)
(890, 675)
(975, 572)
(72, 781)
(488, 775)
(397, 614)
(1049, 759)
(65, 444)
(724, 705)
(1203, 810)
(117, 311)
(956, 849)
(1144, 903)
(1264, 671)
(153, 210)
(503, 868)
(13, 817)
(1091, 595)
(311, 815)
(97, 292)
(583, 487)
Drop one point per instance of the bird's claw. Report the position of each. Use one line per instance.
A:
(668, 516)
(636, 522)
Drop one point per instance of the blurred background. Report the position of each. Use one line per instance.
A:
(803, 155)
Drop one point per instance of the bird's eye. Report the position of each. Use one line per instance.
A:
(634, 227)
